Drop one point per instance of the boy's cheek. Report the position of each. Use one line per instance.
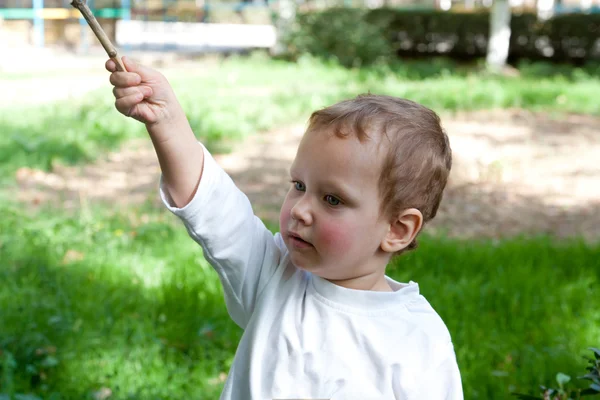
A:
(284, 218)
(338, 237)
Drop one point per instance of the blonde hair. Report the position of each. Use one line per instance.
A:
(418, 160)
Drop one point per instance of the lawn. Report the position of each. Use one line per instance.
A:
(102, 299)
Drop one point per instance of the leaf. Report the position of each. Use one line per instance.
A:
(562, 378)
(49, 362)
(8, 361)
(595, 386)
(596, 352)
(31, 369)
(588, 392)
(591, 377)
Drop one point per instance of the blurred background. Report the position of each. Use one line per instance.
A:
(103, 296)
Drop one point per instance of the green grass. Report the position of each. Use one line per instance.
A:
(133, 314)
(519, 310)
(241, 96)
(139, 311)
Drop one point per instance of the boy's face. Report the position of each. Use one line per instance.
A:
(330, 219)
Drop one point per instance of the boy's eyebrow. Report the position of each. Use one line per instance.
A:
(339, 188)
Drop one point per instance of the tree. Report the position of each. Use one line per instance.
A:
(545, 9)
(283, 24)
(497, 51)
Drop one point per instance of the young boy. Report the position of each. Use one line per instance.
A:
(321, 319)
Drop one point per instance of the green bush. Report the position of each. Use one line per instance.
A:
(574, 36)
(355, 36)
(342, 34)
(565, 390)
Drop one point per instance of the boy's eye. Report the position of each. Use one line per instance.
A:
(331, 200)
(299, 186)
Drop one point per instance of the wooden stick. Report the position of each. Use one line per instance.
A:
(99, 32)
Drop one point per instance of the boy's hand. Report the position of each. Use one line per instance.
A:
(142, 93)
(145, 94)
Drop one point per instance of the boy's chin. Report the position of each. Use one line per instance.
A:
(297, 260)
(309, 267)
(300, 262)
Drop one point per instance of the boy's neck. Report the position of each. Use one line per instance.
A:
(373, 282)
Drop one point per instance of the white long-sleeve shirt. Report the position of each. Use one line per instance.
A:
(305, 337)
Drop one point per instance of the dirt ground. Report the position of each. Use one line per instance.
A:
(515, 172)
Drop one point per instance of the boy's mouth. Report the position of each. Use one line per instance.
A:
(297, 241)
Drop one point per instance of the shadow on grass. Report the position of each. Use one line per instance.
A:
(91, 306)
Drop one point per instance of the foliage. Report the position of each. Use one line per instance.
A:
(413, 33)
(564, 391)
(342, 34)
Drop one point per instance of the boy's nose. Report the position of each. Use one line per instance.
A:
(301, 211)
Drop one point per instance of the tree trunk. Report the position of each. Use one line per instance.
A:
(545, 9)
(586, 4)
(497, 51)
(285, 20)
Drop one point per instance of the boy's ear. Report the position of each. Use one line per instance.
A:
(402, 230)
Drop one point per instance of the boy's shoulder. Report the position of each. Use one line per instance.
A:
(428, 321)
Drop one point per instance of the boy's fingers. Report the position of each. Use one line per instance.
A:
(125, 104)
(128, 91)
(110, 66)
(125, 79)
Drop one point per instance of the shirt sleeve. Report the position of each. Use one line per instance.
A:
(442, 381)
(235, 242)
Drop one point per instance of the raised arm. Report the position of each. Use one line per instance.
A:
(145, 94)
(215, 212)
